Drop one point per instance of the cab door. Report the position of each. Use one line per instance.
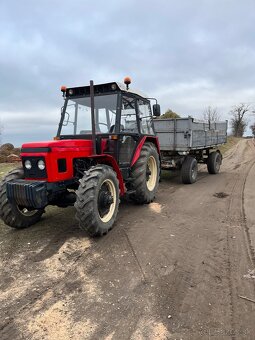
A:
(129, 130)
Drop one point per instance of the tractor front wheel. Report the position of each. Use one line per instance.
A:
(145, 175)
(97, 200)
(12, 214)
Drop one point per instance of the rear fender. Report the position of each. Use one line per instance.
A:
(109, 160)
(145, 139)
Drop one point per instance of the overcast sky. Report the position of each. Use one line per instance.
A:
(189, 54)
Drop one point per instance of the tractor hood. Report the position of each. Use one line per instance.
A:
(59, 157)
(52, 145)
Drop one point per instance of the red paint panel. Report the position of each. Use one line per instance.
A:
(63, 143)
(140, 145)
(109, 160)
(68, 149)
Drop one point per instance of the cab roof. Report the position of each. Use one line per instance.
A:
(101, 89)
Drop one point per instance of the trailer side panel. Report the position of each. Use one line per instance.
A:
(185, 134)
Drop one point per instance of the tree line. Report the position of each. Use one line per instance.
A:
(238, 120)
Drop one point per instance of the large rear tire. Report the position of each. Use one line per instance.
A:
(214, 162)
(145, 175)
(189, 170)
(12, 214)
(97, 200)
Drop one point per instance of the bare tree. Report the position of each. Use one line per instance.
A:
(211, 114)
(238, 121)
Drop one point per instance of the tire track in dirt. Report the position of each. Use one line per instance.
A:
(236, 215)
(204, 259)
(251, 250)
(220, 258)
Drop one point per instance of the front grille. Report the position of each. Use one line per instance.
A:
(34, 172)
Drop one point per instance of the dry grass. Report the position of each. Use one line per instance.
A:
(231, 141)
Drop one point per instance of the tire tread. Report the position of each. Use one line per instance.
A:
(137, 181)
(8, 212)
(85, 214)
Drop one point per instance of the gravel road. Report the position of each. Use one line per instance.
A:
(182, 267)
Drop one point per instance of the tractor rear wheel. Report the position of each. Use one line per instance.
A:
(145, 175)
(13, 215)
(214, 162)
(97, 200)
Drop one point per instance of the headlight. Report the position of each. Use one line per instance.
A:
(28, 165)
(41, 164)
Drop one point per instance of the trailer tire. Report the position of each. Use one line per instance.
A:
(13, 215)
(214, 162)
(189, 170)
(145, 175)
(97, 200)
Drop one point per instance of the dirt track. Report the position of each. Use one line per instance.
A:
(173, 269)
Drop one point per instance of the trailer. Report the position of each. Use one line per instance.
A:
(185, 142)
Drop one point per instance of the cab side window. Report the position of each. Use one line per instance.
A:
(145, 116)
(128, 122)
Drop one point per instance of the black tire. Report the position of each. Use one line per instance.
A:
(97, 200)
(12, 214)
(214, 162)
(144, 177)
(189, 170)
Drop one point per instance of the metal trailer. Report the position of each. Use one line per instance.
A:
(184, 142)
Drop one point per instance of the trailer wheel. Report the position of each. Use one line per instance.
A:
(214, 162)
(189, 170)
(145, 175)
(12, 214)
(97, 200)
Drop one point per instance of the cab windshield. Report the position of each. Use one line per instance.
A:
(78, 115)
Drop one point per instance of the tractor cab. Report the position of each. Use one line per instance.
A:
(114, 117)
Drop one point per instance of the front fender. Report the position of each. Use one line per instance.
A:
(109, 160)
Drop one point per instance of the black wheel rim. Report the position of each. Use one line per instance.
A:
(106, 201)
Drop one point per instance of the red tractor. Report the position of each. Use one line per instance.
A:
(105, 147)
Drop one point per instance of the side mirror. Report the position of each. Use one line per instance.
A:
(156, 110)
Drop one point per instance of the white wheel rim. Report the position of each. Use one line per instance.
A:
(107, 217)
(26, 212)
(151, 181)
